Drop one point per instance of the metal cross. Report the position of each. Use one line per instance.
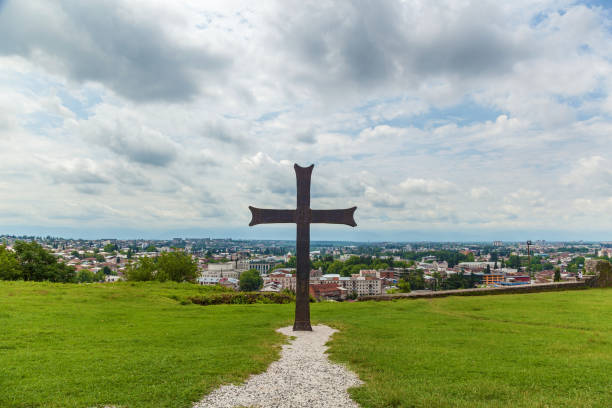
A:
(303, 216)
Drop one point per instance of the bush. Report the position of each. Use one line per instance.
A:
(242, 298)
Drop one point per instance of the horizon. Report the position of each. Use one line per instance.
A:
(287, 237)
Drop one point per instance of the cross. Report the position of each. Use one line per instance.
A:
(303, 216)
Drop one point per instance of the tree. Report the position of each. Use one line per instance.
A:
(557, 275)
(142, 270)
(110, 248)
(100, 258)
(151, 248)
(84, 276)
(416, 280)
(335, 267)
(38, 264)
(177, 266)
(514, 261)
(250, 281)
(488, 268)
(99, 276)
(404, 286)
(9, 265)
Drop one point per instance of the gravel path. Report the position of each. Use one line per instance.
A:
(303, 377)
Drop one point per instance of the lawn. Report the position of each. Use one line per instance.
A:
(138, 346)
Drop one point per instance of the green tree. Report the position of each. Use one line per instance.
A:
(176, 266)
(110, 248)
(250, 280)
(151, 248)
(99, 276)
(557, 277)
(416, 280)
(100, 258)
(335, 267)
(142, 270)
(514, 261)
(9, 265)
(84, 276)
(38, 264)
(403, 286)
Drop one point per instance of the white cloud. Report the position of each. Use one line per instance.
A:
(446, 114)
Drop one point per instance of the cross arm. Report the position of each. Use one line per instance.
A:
(266, 216)
(344, 216)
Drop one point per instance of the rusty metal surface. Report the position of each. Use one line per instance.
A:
(302, 216)
(272, 216)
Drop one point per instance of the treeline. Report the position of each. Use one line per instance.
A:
(175, 266)
(415, 280)
(452, 257)
(29, 261)
(355, 263)
(537, 264)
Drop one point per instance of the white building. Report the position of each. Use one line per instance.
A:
(361, 285)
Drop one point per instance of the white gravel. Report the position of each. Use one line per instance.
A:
(303, 377)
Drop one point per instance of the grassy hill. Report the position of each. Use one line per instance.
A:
(139, 345)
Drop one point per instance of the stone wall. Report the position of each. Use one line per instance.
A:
(588, 282)
(603, 270)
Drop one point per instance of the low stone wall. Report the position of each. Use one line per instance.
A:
(588, 282)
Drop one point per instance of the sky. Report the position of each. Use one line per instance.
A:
(439, 120)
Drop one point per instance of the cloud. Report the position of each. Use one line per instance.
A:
(127, 136)
(115, 43)
(371, 44)
(445, 115)
(426, 187)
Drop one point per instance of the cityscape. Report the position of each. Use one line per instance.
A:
(340, 270)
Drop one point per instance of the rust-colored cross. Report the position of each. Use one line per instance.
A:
(303, 216)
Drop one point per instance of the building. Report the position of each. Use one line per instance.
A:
(230, 283)
(271, 287)
(221, 270)
(281, 277)
(207, 280)
(330, 291)
(493, 278)
(262, 266)
(360, 285)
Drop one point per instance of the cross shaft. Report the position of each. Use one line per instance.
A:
(302, 216)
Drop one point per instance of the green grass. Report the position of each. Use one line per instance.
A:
(138, 346)
(533, 350)
(65, 345)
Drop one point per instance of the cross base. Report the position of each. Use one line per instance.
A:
(302, 326)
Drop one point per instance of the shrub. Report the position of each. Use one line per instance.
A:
(242, 298)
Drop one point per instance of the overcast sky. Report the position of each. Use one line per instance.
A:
(442, 120)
